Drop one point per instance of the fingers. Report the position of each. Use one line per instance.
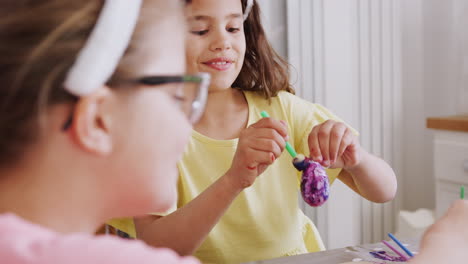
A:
(258, 157)
(347, 140)
(314, 145)
(336, 140)
(268, 135)
(328, 141)
(321, 141)
(280, 126)
(263, 142)
(268, 145)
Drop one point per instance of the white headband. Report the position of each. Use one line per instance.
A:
(248, 8)
(106, 45)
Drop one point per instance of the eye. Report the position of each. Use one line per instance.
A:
(178, 94)
(199, 32)
(233, 30)
(179, 98)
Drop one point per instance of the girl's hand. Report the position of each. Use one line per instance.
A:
(334, 145)
(259, 146)
(447, 240)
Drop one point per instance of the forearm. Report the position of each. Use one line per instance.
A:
(185, 229)
(373, 179)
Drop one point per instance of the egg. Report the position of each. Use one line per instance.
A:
(315, 187)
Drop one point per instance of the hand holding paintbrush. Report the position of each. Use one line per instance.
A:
(315, 187)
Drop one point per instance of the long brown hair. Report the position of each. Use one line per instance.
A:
(39, 41)
(264, 70)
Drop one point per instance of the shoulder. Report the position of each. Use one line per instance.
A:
(283, 100)
(290, 98)
(298, 112)
(83, 248)
(294, 103)
(22, 242)
(299, 108)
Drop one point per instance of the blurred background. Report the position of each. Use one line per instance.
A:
(384, 66)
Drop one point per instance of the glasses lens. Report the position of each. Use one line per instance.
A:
(192, 90)
(200, 96)
(189, 95)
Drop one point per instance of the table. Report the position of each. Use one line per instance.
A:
(343, 255)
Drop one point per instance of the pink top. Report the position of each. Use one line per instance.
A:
(23, 242)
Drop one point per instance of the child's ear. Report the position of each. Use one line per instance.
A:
(92, 122)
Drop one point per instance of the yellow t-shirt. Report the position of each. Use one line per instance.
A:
(265, 220)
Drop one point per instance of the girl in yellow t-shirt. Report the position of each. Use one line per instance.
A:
(237, 192)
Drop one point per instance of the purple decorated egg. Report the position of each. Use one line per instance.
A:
(315, 187)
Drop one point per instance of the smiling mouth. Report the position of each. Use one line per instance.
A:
(219, 64)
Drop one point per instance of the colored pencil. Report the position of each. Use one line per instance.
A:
(395, 250)
(400, 244)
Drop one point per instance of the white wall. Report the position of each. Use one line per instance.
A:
(417, 170)
(430, 72)
(344, 204)
(274, 22)
(430, 88)
(347, 56)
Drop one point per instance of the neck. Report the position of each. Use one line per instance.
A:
(217, 99)
(226, 114)
(49, 193)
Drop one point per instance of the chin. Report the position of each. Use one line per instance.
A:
(166, 200)
(219, 84)
(166, 189)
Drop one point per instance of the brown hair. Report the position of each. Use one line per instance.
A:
(264, 70)
(39, 41)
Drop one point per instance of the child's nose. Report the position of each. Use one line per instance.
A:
(220, 42)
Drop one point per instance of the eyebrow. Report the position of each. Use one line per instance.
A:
(202, 17)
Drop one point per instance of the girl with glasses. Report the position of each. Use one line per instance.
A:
(93, 92)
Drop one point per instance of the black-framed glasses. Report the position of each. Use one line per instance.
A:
(193, 92)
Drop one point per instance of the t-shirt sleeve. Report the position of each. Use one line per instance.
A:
(126, 225)
(303, 116)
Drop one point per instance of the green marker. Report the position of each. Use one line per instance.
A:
(289, 148)
(462, 192)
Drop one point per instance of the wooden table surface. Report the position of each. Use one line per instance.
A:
(354, 254)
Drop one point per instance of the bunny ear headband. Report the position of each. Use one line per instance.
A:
(98, 59)
(248, 8)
